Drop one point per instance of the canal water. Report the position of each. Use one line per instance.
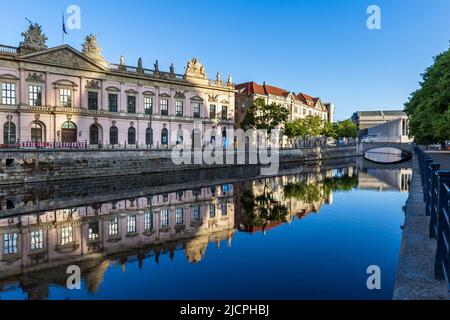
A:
(309, 233)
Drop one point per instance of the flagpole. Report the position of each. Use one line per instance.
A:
(62, 31)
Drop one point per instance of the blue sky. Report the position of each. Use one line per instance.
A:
(320, 47)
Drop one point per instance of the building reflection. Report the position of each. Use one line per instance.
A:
(385, 180)
(35, 249)
(267, 203)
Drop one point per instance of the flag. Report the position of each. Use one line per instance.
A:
(64, 25)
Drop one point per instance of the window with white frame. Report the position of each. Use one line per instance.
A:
(179, 108)
(179, 216)
(212, 111)
(148, 220)
(66, 233)
(164, 218)
(196, 108)
(131, 224)
(113, 226)
(35, 95)
(212, 210)
(131, 104)
(92, 100)
(164, 107)
(65, 98)
(36, 239)
(148, 105)
(10, 243)
(224, 208)
(196, 213)
(112, 102)
(224, 112)
(8, 93)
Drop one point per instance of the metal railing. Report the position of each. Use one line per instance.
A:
(436, 192)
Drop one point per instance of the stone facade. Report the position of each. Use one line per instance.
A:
(48, 165)
(62, 95)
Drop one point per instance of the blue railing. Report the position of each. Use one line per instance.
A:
(436, 192)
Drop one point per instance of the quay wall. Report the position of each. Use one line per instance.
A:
(27, 166)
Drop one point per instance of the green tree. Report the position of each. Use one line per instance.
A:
(264, 116)
(329, 130)
(428, 107)
(346, 129)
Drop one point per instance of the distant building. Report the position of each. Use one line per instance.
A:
(389, 125)
(299, 105)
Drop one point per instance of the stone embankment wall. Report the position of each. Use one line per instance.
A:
(26, 166)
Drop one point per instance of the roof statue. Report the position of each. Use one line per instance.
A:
(195, 69)
(91, 49)
(33, 38)
(230, 80)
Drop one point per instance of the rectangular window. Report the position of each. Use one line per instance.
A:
(179, 216)
(164, 218)
(36, 239)
(179, 108)
(113, 227)
(10, 243)
(92, 100)
(196, 107)
(224, 112)
(148, 221)
(112, 102)
(66, 235)
(65, 98)
(148, 105)
(8, 93)
(212, 111)
(164, 107)
(35, 95)
(196, 213)
(131, 224)
(212, 210)
(224, 208)
(93, 232)
(131, 104)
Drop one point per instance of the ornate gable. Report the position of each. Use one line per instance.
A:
(64, 56)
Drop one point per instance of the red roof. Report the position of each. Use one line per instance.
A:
(249, 88)
(265, 89)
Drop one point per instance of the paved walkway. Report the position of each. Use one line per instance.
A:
(442, 157)
(415, 273)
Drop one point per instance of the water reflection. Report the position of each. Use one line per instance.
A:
(37, 246)
(386, 155)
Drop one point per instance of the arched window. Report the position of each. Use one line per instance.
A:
(113, 135)
(149, 136)
(68, 132)
(36, 132)
(164, 137)
(93, 134)
(131, 135)
(9, 133)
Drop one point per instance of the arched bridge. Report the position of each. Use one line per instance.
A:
(363, 147)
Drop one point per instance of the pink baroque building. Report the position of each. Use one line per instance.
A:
(66, 97)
